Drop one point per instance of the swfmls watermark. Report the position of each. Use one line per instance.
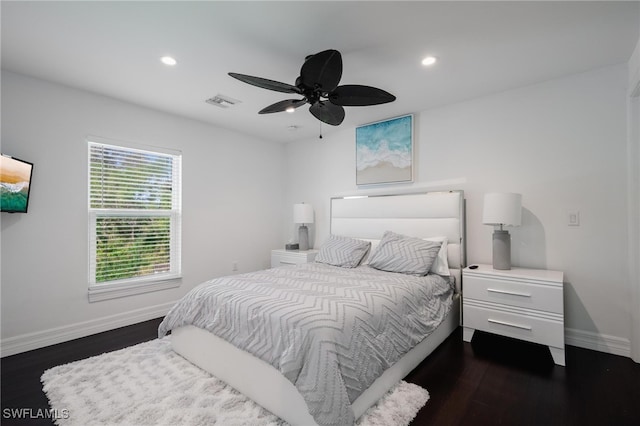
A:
(35, 413)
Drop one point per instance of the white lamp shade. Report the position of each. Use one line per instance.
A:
(502, 209)
(302, 213)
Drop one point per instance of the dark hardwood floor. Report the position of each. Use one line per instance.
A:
(20, 374)
(492, 381)
(495, 380)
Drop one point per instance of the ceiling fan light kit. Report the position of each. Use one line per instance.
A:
(318, 86)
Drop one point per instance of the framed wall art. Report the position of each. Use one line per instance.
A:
(384, 151)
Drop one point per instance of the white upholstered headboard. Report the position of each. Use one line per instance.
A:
(422, 215)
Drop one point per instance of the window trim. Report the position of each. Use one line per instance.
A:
(149, 283)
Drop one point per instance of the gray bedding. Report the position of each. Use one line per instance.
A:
(331, 331)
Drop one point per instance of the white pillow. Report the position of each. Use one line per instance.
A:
(374, 245)
(440, 266)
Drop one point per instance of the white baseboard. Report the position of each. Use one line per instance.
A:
(598, 342)
(40, 339)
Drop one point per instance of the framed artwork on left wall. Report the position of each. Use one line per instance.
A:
(384, 151)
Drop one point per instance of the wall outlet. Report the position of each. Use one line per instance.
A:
(234, 266)
(573, 218)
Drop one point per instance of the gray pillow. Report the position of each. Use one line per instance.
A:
(343, 251)
(406, 255)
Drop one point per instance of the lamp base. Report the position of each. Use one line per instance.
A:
(303, 238)
(501, 250)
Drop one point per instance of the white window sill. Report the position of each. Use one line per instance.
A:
(99, 292)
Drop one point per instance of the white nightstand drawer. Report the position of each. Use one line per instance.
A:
(521, 303)
(291, 257)
(514, 293)
(520, 324)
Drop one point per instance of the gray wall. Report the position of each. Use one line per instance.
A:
(232, 202)
(634, 197)
(561, 143)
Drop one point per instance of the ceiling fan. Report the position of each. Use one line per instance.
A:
(318, 86)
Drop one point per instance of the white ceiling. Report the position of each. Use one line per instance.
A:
(113, 48)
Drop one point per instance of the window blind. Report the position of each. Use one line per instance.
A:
(134, 213)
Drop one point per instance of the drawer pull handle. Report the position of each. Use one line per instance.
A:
(512, 293)
(287, 263)
(523, 327)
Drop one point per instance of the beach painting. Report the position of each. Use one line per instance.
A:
(384, 151)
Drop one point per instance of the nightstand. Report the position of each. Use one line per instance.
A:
(281, 257)
(525, 304)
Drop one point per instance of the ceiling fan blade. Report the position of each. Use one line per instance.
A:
(283, 105)
(322, 70)
(327, 113)
(357, 95)
(265, 83)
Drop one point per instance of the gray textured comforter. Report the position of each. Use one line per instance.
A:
(330, 331)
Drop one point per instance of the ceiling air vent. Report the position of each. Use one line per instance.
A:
(222, 101)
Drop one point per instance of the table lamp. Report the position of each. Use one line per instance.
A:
(303, 213)
(504, 209)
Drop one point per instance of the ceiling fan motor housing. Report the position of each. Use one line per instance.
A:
(318, 83)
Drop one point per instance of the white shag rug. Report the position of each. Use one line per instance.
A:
(149, 384)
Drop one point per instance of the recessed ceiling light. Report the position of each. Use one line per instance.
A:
(290, 109)
(429, 60)
(168, 60)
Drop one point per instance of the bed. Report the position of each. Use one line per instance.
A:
(428, 216)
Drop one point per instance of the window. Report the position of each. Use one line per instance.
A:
(134, 220)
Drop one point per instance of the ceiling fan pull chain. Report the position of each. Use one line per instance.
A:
(320, 131)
